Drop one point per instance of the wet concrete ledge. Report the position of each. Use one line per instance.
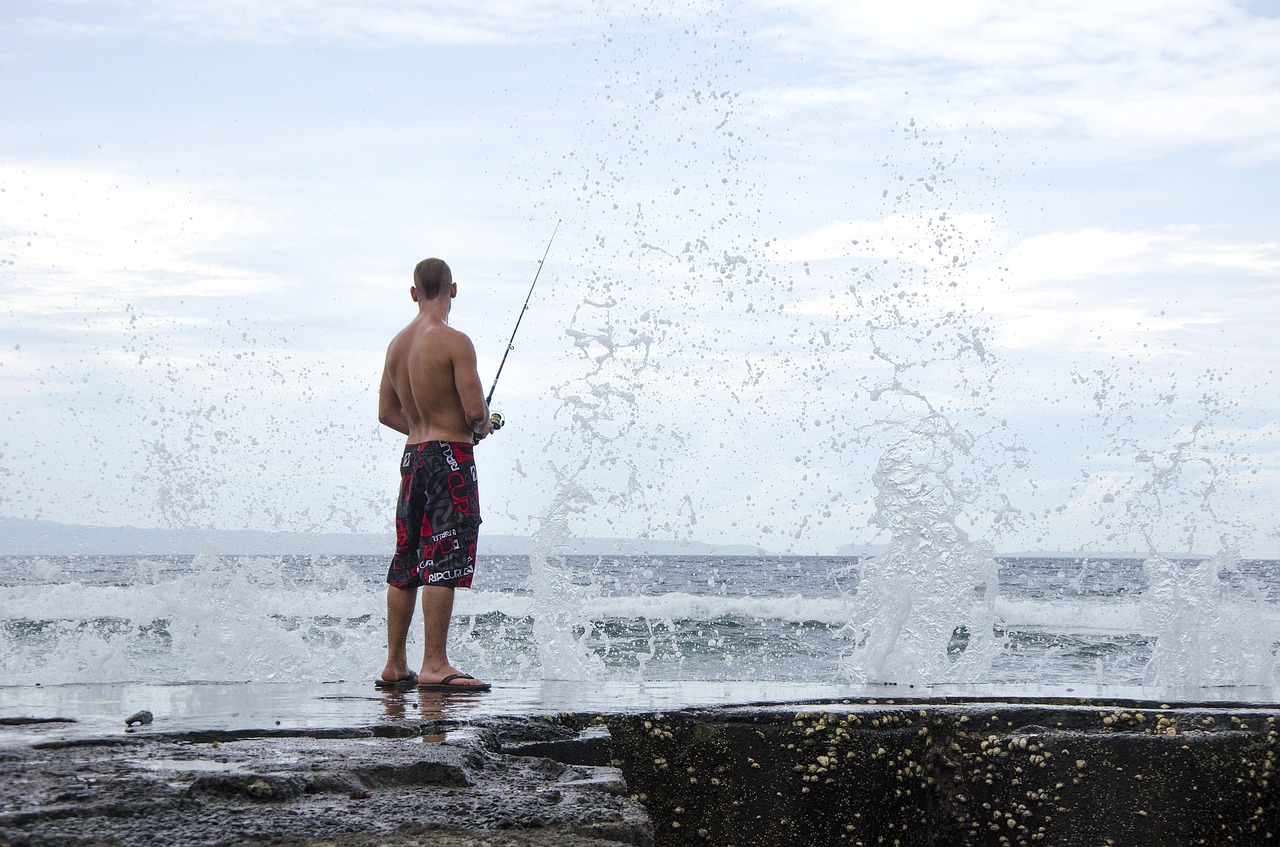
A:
(927, 771)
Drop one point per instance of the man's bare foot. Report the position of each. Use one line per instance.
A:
(399, 679)
(449, 679)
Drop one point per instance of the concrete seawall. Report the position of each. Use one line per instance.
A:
(979, 773)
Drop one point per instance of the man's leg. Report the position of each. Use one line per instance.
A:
(400, 604)
(437, 610)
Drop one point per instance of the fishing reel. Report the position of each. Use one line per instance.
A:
(496, 421)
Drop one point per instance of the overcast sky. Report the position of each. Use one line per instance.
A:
(1020, 260)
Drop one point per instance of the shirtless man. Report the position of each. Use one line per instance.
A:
(431, 392)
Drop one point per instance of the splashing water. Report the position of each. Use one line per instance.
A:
(1207, 631)
(562, 619)
(924, 610)
(219, 619)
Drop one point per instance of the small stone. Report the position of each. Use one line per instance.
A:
(355, 794)
(141, 718)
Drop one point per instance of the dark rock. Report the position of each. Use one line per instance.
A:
(421, 773)
(591, 746)
(511, 730)
(267, 787)
(927, 775)
(225, 788)
(141, 718)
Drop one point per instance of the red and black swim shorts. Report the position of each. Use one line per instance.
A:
(437, 516)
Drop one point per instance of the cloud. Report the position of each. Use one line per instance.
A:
(1141, 76)
(1132, 291)
(1132, 77)
(1145, 292)
(438, 22)
(919, 237)
(102, 234)
(1094, 252)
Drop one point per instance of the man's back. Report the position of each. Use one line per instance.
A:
(431, 389)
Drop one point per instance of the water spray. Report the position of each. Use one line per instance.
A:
(496, 417)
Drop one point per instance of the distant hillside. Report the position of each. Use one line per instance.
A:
(861, 549)
(20, 536)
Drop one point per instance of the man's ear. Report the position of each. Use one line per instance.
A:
(413, 292)
(453, 290)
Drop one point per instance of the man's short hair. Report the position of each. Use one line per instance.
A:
(430, 277)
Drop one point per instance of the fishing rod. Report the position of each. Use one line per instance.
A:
(496, 418)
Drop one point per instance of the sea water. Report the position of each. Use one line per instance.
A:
(1046, 620)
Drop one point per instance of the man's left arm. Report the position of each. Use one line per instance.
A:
(390, 409)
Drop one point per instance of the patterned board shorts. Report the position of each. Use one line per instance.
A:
(437, 516)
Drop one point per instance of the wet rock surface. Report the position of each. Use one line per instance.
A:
(405, 783)
(922, 772)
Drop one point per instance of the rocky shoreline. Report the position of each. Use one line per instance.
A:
(940, 771)
(367, 785)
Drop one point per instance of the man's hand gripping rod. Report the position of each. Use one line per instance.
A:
(496, 418)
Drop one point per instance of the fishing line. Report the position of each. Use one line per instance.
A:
(495, 417)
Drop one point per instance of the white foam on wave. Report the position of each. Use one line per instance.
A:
(1081, 617)
(75, 602)
(695, 607)
(78, 602)
(229, 619)
(1118, 617)
(673, 606)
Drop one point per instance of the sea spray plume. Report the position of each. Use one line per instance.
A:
(732, 325)
(1163, 470)
(1207, 632)
(601, 412)
(924, 610)
(561, 609)
(1162, 481)
(663, 105)
(618, 439)
(1211, 625)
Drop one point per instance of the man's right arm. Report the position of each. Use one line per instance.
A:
(466, 377)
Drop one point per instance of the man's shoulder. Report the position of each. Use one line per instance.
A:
(423, 328)
(455, 336)
(435, 335)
